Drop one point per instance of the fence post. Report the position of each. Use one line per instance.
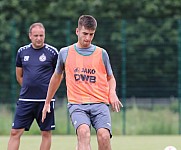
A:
(179, 72)
(123, 45)
(68, 42)
(12, 68)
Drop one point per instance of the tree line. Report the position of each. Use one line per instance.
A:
(151, 38)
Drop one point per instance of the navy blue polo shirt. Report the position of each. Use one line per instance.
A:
(38, 66)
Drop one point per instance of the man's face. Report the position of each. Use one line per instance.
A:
(37, 37)
(85, 37)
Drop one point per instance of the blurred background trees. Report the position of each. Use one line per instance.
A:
(151, 38)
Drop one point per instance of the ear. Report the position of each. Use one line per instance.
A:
(77, 31)
(29, 36)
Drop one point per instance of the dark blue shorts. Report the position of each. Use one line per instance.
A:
(97, 115)
(26, 112)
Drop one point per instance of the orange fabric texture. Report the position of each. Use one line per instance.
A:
(86, 77)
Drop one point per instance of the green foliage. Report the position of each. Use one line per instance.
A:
(157, 121)
(151, 38)
(138, 122)
(174, 107)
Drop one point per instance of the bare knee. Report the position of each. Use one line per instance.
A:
(83, 136)
(46, 134)
(83, 131)
(103, 135)
(16, 133)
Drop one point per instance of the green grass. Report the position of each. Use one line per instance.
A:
(146, 129)
(118, 142)
(139, 121)
(145, 121)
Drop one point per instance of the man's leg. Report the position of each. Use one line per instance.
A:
(83, 137)
(103, 138)
(46, 140)
(14, 140)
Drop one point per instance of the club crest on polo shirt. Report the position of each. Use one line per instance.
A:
(42, 58)
(26, 58)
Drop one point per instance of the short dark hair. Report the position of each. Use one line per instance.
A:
(88, 21)
(36, 24)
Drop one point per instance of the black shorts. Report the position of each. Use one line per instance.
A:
(27, 111)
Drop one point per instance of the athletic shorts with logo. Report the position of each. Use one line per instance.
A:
(27, 111)
(97, 115)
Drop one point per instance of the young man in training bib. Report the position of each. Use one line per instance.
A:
(91, 86)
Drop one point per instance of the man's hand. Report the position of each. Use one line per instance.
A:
(46, 109)
(115, 102)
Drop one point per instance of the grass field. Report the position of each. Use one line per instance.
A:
(155, 121)
(118, 142)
